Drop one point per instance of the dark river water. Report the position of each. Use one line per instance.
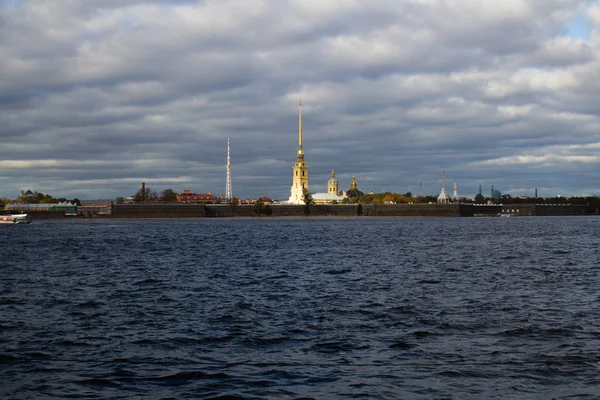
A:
(453, 308)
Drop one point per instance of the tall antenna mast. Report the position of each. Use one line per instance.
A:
(228, 188)
(443, 178)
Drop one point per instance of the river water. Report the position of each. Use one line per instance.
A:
(452, 308)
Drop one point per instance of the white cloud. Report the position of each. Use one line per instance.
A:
(105, 92)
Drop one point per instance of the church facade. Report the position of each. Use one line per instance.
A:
(332, 195)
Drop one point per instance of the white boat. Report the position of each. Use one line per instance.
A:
(15, 219)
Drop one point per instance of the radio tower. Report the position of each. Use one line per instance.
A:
(455, 195)
(228, 188)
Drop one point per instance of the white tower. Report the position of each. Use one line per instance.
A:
(443, 197)
(455, 194)
(228, 194)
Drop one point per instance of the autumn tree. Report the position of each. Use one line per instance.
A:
(258, 208)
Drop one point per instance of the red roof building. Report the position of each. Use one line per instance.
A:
(188, 197)
(266, 200)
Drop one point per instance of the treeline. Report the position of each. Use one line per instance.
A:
(380, 198)
(148, 194)
(41, 198)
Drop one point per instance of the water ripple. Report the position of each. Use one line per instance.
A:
(274, 308)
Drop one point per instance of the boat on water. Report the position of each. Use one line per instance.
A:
(15, 219)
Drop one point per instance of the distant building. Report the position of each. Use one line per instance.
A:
(66, 207)
(353, 191)
(25, 194)
(188, 197)
(266, 200)
(332, 195)
(495, 195)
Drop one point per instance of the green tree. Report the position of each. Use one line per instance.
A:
(308, 200)
(258, 208)
(169, 195)
(76, 201)
(479, 198)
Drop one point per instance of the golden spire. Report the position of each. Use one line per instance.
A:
(300, 125)
(332, 174)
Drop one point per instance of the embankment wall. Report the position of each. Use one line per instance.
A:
(158, 211)
(278, 210)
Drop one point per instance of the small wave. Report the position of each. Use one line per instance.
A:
(7, 358)
(165, 299)
(123, 373)
(5, 301)
(406, 310)
(336, 347)
(429, 282)
(539, 331)
(202, 340)
(37, 355)
(464, 374)
(228, 397)
(148, 281)
(402, 345)
(338, 271)
(99, 382)
(264, 341)
(280, 276)
(244, 305)
(423, 334)
(279, 374)
(182, 378)
(71, 343)
(91, 304)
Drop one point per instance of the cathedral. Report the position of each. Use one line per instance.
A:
(300, 170)
(300, 178)
(332, 195)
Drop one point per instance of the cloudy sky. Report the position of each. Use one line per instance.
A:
(97, 96)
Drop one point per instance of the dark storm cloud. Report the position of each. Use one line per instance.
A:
(97, 96)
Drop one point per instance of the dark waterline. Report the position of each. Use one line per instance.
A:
(359, 308)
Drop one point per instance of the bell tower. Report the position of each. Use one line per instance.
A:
(332, 185)
(300, 169)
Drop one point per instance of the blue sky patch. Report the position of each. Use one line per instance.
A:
(579, 28)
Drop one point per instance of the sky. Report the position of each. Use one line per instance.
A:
(97, 96)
